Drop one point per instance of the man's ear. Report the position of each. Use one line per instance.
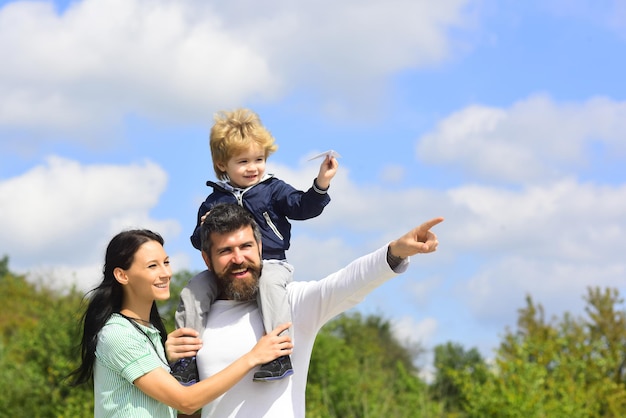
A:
(120, 275)
(207, 260)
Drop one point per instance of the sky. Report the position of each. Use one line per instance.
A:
(507, 118)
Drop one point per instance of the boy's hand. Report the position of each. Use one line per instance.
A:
(328, 169)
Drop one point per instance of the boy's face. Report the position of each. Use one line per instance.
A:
(245, 168)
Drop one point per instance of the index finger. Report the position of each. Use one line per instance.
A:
(429, 224)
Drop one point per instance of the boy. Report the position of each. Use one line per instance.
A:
(240, 146)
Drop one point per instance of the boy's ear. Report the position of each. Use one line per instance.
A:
(207, 260)
(221, 166)
(120, 276)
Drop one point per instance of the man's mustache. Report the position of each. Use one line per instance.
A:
(245, 265)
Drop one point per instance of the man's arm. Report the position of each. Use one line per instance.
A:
(316, 302)
(347, 287)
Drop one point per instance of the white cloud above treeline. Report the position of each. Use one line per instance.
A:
(534, 140)
(99, 60)
(62, 213)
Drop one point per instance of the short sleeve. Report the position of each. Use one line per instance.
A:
(126, 351)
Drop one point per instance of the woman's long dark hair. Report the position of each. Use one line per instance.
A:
(106, 299)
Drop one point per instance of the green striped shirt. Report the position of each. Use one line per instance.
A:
(124, 354)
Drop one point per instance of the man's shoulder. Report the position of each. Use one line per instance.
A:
(199, 281)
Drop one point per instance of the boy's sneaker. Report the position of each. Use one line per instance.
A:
(274, 370)
(185, 370)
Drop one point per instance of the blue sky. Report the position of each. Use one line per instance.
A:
(507, 118)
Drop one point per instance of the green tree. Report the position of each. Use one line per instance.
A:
(452, 358)
(38, 340)
(359, 369)
(607, 327)
(4, 266)
(562, 368)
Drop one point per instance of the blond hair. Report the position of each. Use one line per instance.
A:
(234, 132)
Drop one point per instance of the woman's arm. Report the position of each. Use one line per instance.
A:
(160, 385)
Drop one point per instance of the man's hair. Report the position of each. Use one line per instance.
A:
(224, 218)
(235, 131)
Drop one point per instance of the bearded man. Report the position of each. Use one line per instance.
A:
(231, 249)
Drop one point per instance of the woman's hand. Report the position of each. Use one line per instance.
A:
(271, 346)
(181, 343)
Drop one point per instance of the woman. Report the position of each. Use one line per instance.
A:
(123, 340)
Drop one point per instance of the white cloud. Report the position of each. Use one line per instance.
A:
(422, 290)
(563, 221)
(535, 140)
(558, 286)
(85, 276)
(99, 60)
(380, 39)
(60, 215)
(419, 334)
(393, 174)
(102, 59)
(406, 329)
(551, 236)
(550, 241)
(316, 257)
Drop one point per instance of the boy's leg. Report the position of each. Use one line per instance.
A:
(275, 310)
(195, 302)
(272, 296)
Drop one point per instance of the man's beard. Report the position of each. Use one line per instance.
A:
(239, 289)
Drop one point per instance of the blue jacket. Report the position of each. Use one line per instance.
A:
(272, 202)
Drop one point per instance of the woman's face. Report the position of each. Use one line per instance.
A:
(148, 277)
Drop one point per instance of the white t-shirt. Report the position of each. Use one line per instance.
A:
(234, 327)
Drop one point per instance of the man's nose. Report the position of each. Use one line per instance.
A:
(238, 257)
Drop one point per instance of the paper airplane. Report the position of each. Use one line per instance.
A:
(331, 153)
